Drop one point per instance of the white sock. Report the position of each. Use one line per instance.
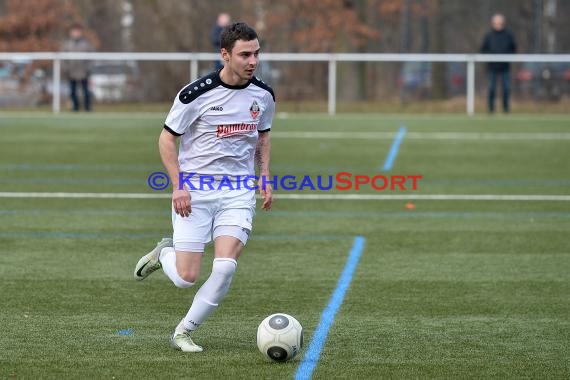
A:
(168, 261)
(180, 328)
(210, 293)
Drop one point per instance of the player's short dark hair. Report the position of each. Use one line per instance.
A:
(234, 32)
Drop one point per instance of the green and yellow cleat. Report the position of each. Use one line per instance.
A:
(183, 342)
(150, 262)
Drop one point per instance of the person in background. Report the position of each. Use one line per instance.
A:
(223, 20)
(498, 41)
(77, 71)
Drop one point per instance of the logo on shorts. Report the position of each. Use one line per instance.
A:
(254, 110)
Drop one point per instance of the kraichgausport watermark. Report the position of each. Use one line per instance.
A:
(158, 181)
(340, 181)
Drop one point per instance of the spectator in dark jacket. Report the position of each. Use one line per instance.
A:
(224, 20)
(498, 41)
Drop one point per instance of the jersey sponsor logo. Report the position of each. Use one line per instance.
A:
(216, 108)
(254, 110)
(226, 130)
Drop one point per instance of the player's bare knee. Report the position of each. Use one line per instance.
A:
(230, 240)
(188, 274)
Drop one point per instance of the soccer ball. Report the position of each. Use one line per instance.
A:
(280, 337)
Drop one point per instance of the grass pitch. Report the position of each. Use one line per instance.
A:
(444, 289)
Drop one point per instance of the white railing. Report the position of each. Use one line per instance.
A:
(332, 59)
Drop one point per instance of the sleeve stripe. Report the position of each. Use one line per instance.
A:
(171, 131)
(265, 130)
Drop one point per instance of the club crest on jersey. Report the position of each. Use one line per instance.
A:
(254, 110)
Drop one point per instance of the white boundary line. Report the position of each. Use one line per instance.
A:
(425, 197)
(424, 135)
(85, 195)
(541, 118)
(340, 197)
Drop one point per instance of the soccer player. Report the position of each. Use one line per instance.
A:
(223, 122)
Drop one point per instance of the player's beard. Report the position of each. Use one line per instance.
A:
(244, 74)
(248, 73)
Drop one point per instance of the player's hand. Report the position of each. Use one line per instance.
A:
(181, 202)
(266, 194)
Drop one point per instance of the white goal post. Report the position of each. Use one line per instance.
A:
(332, 59)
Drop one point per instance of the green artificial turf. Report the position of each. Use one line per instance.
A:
(444, 289)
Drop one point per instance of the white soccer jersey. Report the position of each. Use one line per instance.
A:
(218, 125)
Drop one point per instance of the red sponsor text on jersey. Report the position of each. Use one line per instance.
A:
(235, 129)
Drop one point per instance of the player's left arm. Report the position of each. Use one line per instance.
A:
(263, 149)
(262, 158)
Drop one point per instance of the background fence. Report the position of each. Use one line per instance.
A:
(548, 75)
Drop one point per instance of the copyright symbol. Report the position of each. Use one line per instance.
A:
(158, 181)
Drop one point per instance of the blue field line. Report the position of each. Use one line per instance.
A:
(419, 214)
(119, 235)
(70, 235)
(297, 237)
(80, 167)
(74, 181)
(125, 332)
(100, 212)
(309, 362)
(393, 152)
(497, 182)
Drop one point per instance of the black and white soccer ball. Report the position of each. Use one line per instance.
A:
(280, 337)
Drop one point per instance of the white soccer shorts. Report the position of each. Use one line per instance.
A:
(214, 213)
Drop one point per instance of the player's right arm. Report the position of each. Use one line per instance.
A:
(184, 112)
(182, 115)
(169, 156)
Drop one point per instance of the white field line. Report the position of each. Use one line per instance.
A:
(301, 115)
(340, 197)
(424, 135)
(426, 197)
(85, 195)
(431, 117)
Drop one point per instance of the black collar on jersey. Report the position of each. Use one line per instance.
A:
(213, 80)
(231, 86)
(255, 80)
(204, 84)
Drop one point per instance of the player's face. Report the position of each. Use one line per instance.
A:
(243, 60)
